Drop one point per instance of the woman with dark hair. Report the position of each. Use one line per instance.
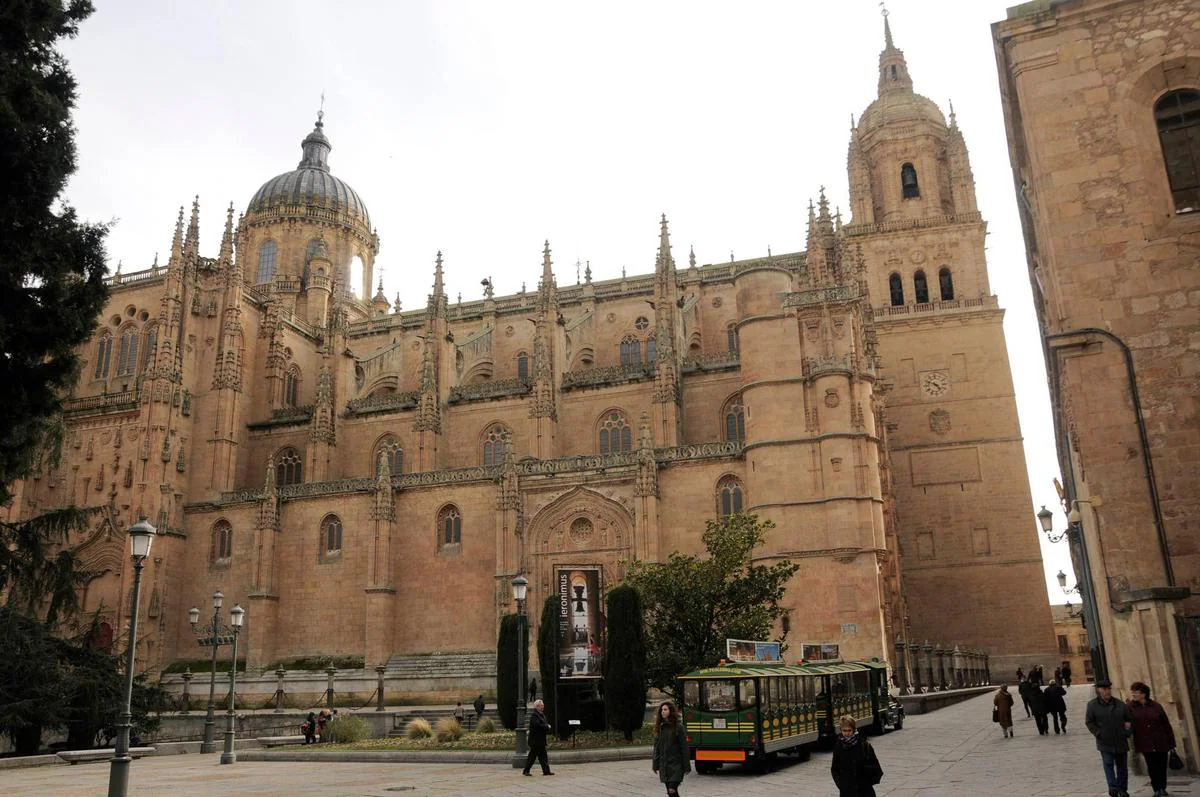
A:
(855, 767)
(671, 758)
(1153, 736)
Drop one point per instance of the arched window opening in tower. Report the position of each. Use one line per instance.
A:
(289, 468)
(355, 277)
(893, 72)
(650, 349)
(616, 435)
(151, 345)
(1177, 115)
(522, 365)
(312, 249)
(331, 535)
(896, 289)
(945, 284)
(291, 387)
(731, 337)
(494, 441)
(389, 446)
(908, 182)
(631, 351)
(127, 353)
(729, 497)
(222, 542)
(735, 420)
(921, 287)
(266, 261)
(449, 526)
(103, 355)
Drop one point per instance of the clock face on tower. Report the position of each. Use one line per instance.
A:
(935, 383)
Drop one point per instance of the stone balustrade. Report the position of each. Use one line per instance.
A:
(920, 668)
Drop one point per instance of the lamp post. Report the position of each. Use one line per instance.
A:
(214, 634)
(1062, 582)
(1083, 586)
(237, 616)
(141, 535)
(519, 586)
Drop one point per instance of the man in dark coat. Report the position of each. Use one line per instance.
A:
(538, 728)
(478, 709)
(1056, 704)
(1023, 690)
(1066, 673)
(1111, 723)
(1037, 704)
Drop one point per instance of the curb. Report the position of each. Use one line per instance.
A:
(444, 757)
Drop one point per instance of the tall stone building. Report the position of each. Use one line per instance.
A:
(367, 481)
(1102, 104)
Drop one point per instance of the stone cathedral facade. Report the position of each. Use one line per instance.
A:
(366, 481)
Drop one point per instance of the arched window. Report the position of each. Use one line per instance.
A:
(650, 349)
(616, 435)
(631, 351)
(449, 526)
(312, 249)
(921, 287)
(896, 289)
(331, 536)
(222, 543)
(522, 365)
(1177, 114)
(289, 468)
(908, 182)
(291, 386)
(731, 337)
(103, 355)
(266, 261)
(355, 275)
(945, 284)
(495, 438)
(127, 353)
(151, 345)
(735, 420)
(390, 447)
(729, 496)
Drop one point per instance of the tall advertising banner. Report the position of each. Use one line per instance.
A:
(580, 622)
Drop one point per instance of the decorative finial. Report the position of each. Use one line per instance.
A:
(578, 267)
(155, 260)
(768, 250)
(692, 256)
(731, 260)
(119, 266)
(622, 272)
(321, 111)
(460, 297)
(953, 119)
(587, 273)
(887, 28)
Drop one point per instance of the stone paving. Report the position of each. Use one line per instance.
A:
(952, 752)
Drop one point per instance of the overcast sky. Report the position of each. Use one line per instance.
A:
(483, 128)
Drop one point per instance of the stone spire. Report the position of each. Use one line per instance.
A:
(385, 503)
(542, 403)
(176, 259)
(225, 257)
(322, 430)
(893, 69)
(438, 303)
(268, 513)
(191, 244)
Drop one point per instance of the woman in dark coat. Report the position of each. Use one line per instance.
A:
(855, 767)
(671, 758)
(1056, 704)
(1037, 704)
(1153, 735)
(1004, 703)
(310, 729)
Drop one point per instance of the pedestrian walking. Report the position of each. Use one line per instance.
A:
(460, 713)
(533, 688)
(1057, 674)
(1066, 673)
(323, 720)
(309, 728)
(1002, 711)
(855, 766)
(538, 728)
(478, 704)
(1020, 675)
(671, 759)
(1110, 721)
(1036, 677)
(1037, 704)
(1153, 735)
(1056, 703)
(1023, 690)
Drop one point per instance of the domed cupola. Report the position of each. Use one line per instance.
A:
(310, 187)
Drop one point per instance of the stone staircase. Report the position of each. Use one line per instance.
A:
(432, 715)
(460, 664)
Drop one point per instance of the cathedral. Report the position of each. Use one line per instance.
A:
(367, 482)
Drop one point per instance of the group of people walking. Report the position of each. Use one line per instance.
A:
(313, 726)
(1115, 725)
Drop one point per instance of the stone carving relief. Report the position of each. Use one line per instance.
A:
(831, 398)
(939, 421)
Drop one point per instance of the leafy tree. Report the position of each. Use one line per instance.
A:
(547, 645)
(625, 661)
(507, 676)
(694, 604)
(52, 265)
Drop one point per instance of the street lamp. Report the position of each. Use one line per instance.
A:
(1062, 582)
(237, 616)
(520, 586)
(1072, 613)
(1046, 518)
(214, 634)
(141, 535)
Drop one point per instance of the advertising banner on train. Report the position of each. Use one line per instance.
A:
(580, 622)
(744, 650)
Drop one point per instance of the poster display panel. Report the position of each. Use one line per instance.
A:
(580, 622)
(819, 652)
(744, 650)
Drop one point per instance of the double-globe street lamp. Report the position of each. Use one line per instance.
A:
(214, 634)
(236, 617)
(141, 535)
(520, 585)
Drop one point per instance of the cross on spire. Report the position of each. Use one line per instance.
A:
(321, 110)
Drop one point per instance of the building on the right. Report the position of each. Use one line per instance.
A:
(1101, 100)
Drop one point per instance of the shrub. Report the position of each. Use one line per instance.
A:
(486, 725)
(547, 645)
(507, 676)
(418, 729)
(625, 661)
(448, 730)
(347, 728)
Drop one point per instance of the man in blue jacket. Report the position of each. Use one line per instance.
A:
(1111, 723)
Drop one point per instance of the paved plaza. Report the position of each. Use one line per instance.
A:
(953, 752)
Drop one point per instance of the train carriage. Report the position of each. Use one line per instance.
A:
(749, 713)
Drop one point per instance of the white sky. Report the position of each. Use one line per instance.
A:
(483, 128)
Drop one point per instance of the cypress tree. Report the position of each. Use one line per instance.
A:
(547, 663)
(625, 661)
(52, 265)
(507, 677)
